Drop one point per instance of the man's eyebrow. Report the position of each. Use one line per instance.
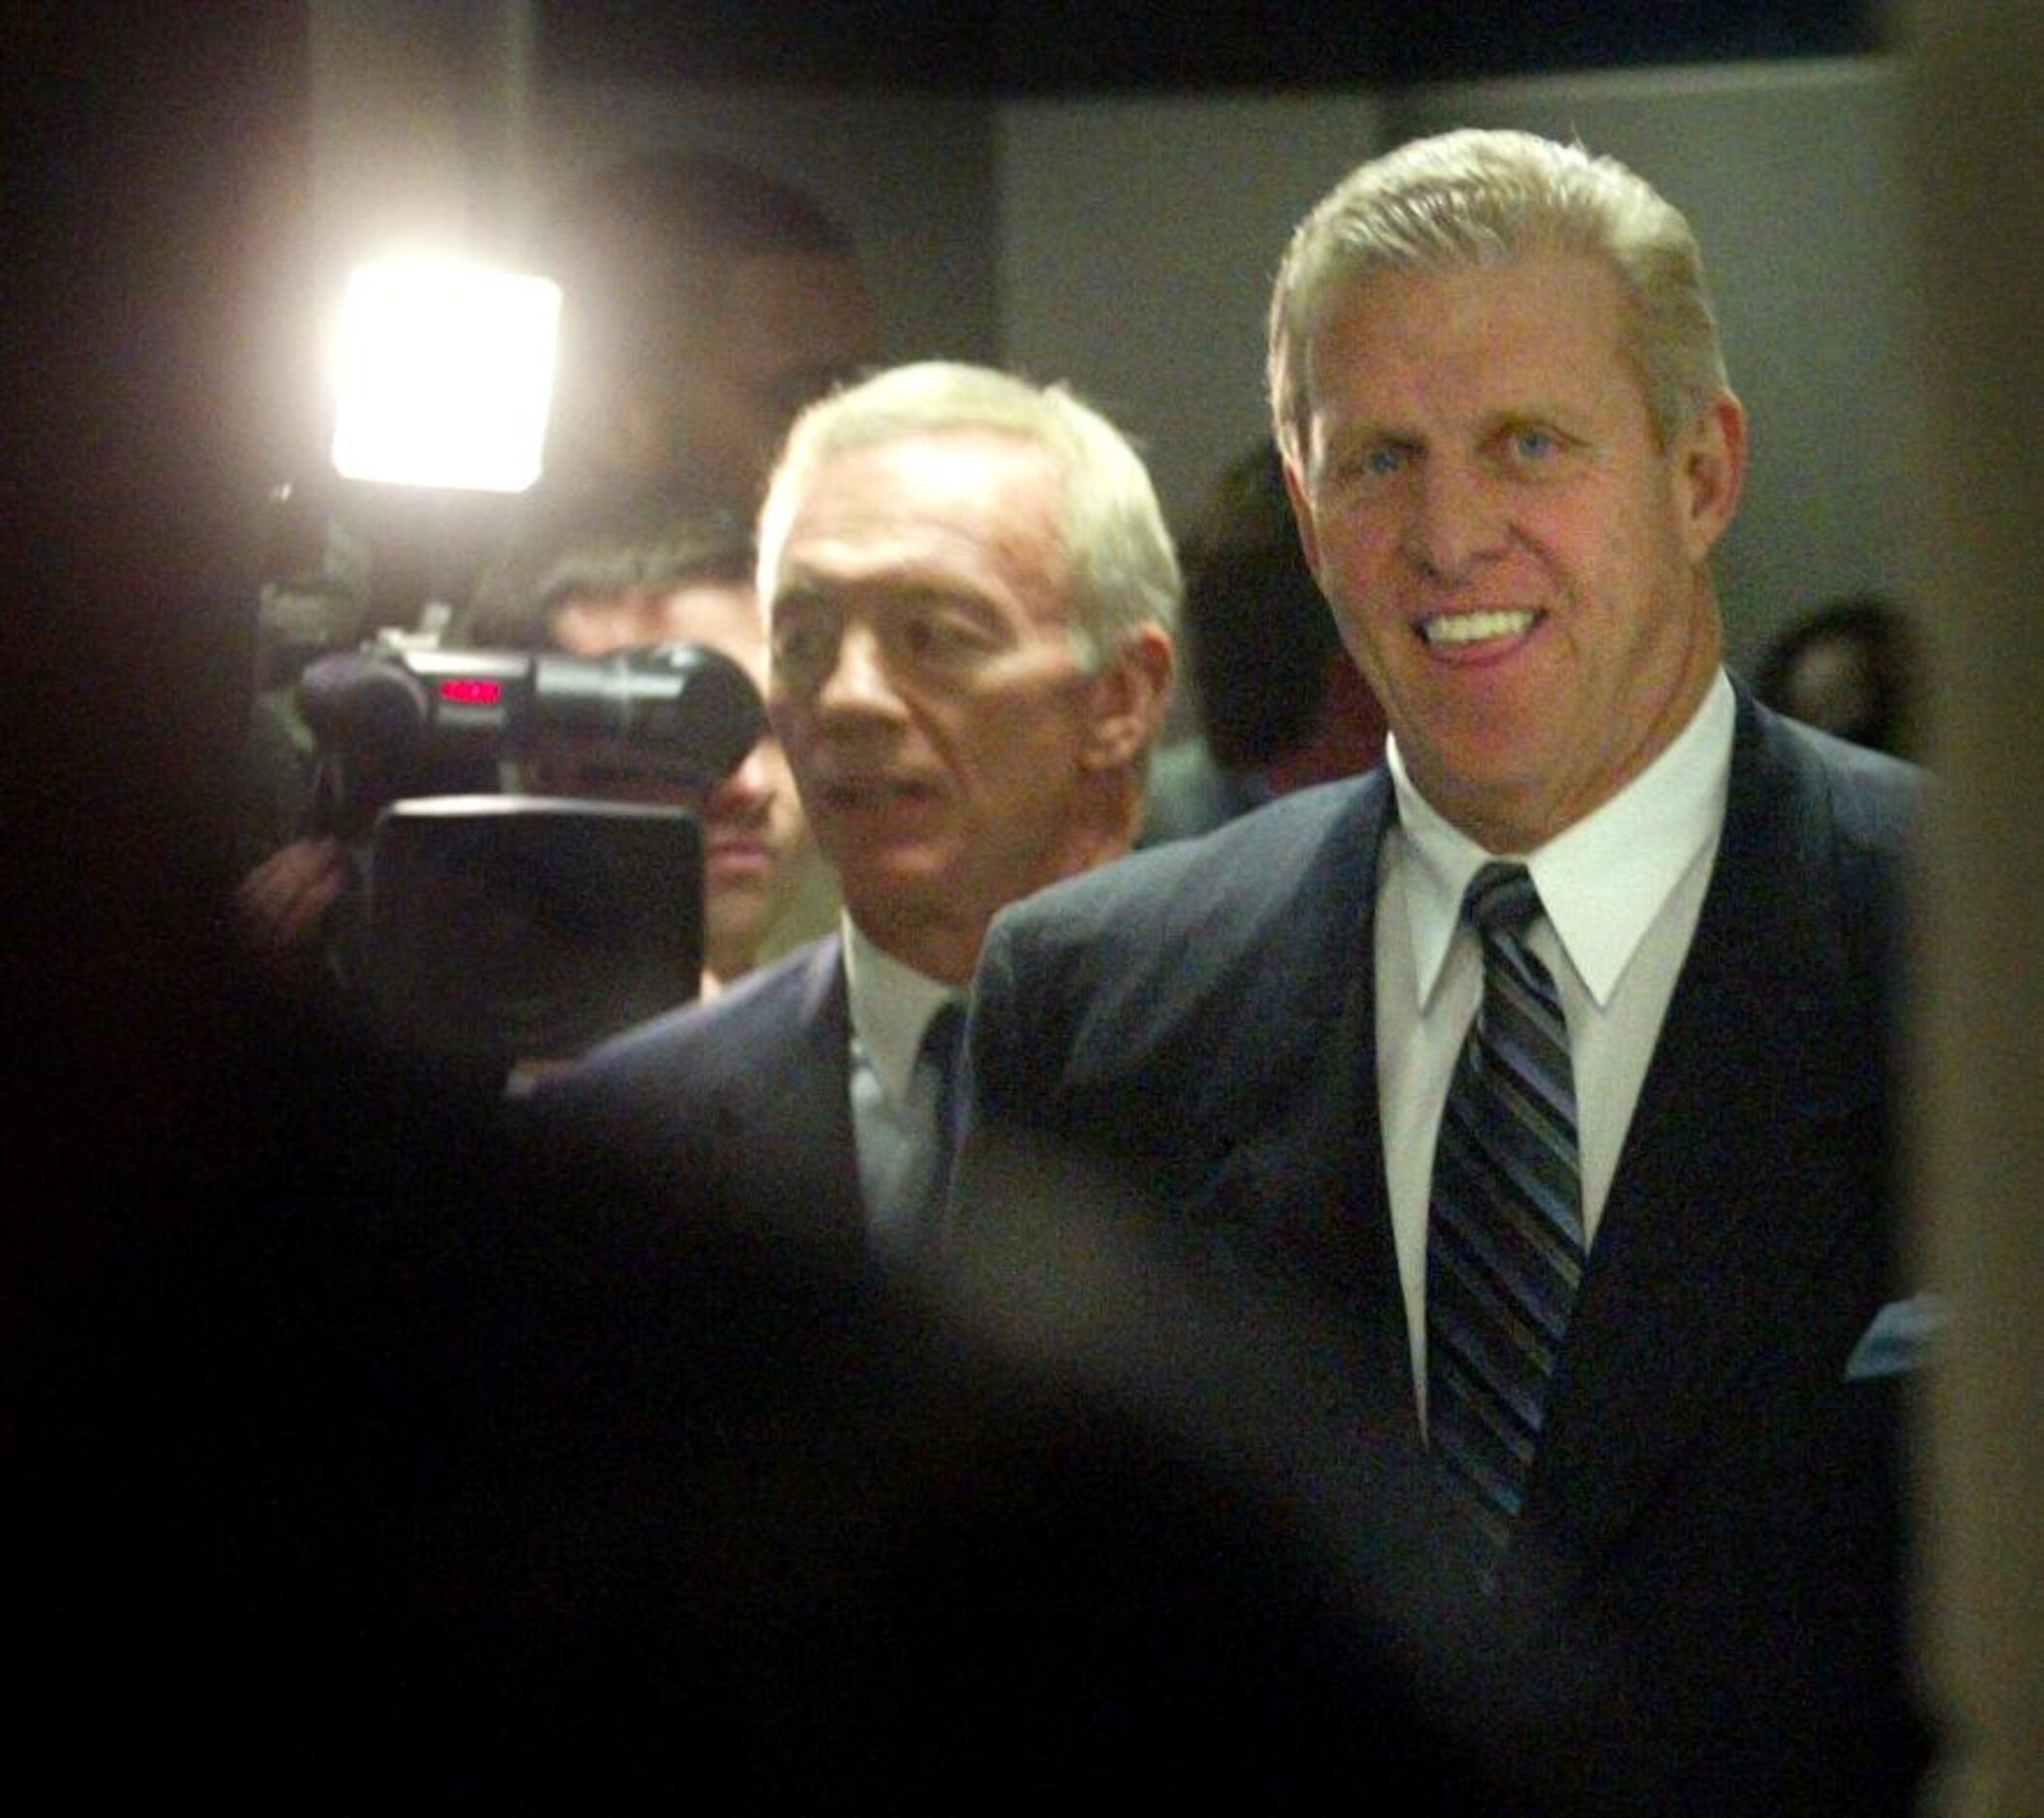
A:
(1370, 433)
(797, 592)
(899, 592)
(1547, 412)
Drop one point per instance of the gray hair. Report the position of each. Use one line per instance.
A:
(1123, 568)
(1485, 198)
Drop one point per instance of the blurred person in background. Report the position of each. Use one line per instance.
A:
(705, 302)
(1277, 703)
(1849, 669)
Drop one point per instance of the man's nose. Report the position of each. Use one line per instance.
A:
(858, 681)
(749, 786)
(1456, 519)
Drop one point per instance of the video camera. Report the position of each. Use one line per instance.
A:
(501, 927)
(395, 721)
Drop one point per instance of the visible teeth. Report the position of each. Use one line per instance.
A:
(1475, 628)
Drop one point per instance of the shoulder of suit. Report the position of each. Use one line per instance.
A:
(1857, 811)
(1873, 797)
(698, 1040)
(1245, 869)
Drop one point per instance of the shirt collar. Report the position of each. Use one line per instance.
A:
(892, 1004)
(1602, 880)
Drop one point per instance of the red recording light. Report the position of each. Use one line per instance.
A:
(472, 692)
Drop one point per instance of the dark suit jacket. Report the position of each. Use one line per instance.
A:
(935, 1536)
(1701, 1611)
(748, 1096)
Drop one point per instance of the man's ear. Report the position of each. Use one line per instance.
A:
(1132, 691)
(1710, 473)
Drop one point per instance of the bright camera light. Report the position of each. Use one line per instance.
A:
(443, 373)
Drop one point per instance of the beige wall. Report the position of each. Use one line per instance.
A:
(1137, 242)
(1978, 136)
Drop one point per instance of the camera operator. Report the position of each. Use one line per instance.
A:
(761, 888)
(764, 892)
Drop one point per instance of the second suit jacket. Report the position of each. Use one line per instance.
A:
(744, 1099)
(1703, 1606)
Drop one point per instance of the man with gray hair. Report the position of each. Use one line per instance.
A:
(1548, 1064)
(969, 593)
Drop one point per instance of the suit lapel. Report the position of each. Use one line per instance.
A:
(791, 1120)
(1300, 1159)
(1726, 1196)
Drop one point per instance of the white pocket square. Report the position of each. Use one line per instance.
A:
(1898, 1340)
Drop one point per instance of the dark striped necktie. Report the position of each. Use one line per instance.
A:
(1505, 1239)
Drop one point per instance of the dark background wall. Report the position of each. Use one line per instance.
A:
(1013, 48)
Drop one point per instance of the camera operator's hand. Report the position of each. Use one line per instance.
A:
(284, 901)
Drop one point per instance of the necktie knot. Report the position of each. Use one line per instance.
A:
(1501, 899)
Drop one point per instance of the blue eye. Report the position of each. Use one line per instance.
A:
(1535, 444)
(1380, 461)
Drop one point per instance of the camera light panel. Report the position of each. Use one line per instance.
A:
(444, 374)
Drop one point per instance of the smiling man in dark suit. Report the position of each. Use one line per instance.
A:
(970, 590)
(1549, 1060)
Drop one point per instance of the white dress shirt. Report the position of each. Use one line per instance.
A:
(893, 1102)
(1622, 890)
